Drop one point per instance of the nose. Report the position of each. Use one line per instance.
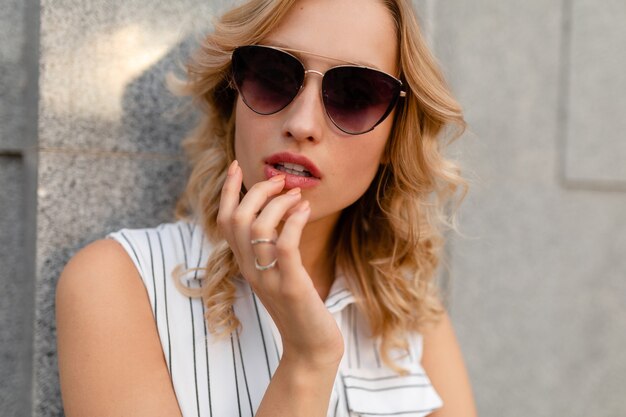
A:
(305, 119)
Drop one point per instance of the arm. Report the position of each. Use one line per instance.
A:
(443, 362)
(312, 341)
(298, 389)
(110, 357)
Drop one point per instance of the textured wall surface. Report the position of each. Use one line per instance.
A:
(109, 136)
(16, 295)
(538, 285)
(12, 73)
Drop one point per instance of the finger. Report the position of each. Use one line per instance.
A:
(245, 213)
(264, 227)
(260, 193)
(275, 211)
(229, 200)
(287, 245)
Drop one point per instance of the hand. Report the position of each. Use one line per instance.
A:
(309, 332)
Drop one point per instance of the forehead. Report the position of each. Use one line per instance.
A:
(360, 31)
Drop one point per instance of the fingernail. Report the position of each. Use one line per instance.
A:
(304, 206)
(232, 168)
(294, 191)
(277, 178)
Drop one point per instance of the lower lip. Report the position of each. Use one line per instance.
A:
(291, 181)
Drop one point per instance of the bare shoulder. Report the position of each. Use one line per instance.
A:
(93, 257)
(443, 362)
(110, 357)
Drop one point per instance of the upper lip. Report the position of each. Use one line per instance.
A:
(294, 159)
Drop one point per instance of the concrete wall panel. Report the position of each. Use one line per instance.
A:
(17, 290)
(12, 74)
(82, 197)
(596, 95)
(103, 72)
(109, 136)
(535, 285)
(15, 349)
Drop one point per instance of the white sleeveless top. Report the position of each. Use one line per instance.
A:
(229, 376)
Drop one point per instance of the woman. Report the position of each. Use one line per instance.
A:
(310, 227)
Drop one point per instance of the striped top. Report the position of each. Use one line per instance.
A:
(229, 376)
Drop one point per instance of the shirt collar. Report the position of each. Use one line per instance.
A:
(339, 295)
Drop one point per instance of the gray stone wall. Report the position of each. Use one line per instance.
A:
(18, 120)
(109, 136)
(89, 143)
(538, 285)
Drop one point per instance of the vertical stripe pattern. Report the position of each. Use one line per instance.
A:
(229, 376)
(166, 304)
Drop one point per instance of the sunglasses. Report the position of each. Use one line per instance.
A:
(356, 98)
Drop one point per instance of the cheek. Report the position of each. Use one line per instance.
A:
(358, 167)
(250, 128)
(245, 145)
(369, 154)
(368, 159)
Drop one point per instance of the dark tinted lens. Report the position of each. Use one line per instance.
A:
(266, 78)
(357, 99)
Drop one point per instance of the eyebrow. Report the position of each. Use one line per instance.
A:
(287, 48)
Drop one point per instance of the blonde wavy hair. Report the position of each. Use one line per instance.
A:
(388, 243)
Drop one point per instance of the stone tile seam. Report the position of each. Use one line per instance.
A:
(11, 152)
(111, 154)
(607, 186)
(563, 92)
